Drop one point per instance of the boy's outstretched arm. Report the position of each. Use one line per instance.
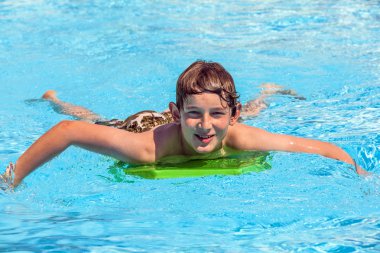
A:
(258, 139)
(123, 145)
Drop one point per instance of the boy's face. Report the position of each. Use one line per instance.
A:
(204, 119)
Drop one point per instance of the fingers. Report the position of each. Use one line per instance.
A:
(7, 177)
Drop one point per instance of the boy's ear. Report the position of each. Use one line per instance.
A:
(175, 112)
(236, 117)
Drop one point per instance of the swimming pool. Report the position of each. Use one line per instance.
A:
(119, 57)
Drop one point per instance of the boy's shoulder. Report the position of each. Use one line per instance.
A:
(241, 136)
(167, 139)
(239, 129)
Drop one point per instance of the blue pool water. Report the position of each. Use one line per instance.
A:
(119, 57)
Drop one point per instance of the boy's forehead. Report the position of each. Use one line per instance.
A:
(204, 99)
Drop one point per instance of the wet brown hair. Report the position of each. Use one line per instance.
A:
(202, 76)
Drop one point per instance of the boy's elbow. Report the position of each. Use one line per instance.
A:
(65, 125)
(65, 129)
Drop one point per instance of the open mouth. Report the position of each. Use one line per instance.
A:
(204, 138)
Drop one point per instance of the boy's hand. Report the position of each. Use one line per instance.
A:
(362, 171)
(6, 179)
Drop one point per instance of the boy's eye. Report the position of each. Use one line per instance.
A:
(218, 114)
(197, 114)
(193, 113)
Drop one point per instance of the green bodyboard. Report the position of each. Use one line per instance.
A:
(231, 165)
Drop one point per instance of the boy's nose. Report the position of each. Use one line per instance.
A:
(206, 122)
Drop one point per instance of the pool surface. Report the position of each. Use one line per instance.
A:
(120, 57)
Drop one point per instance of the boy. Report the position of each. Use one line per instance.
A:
(203, 123)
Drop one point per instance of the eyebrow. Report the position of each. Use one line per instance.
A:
(197, 107)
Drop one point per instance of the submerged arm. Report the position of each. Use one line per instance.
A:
(123, 145)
